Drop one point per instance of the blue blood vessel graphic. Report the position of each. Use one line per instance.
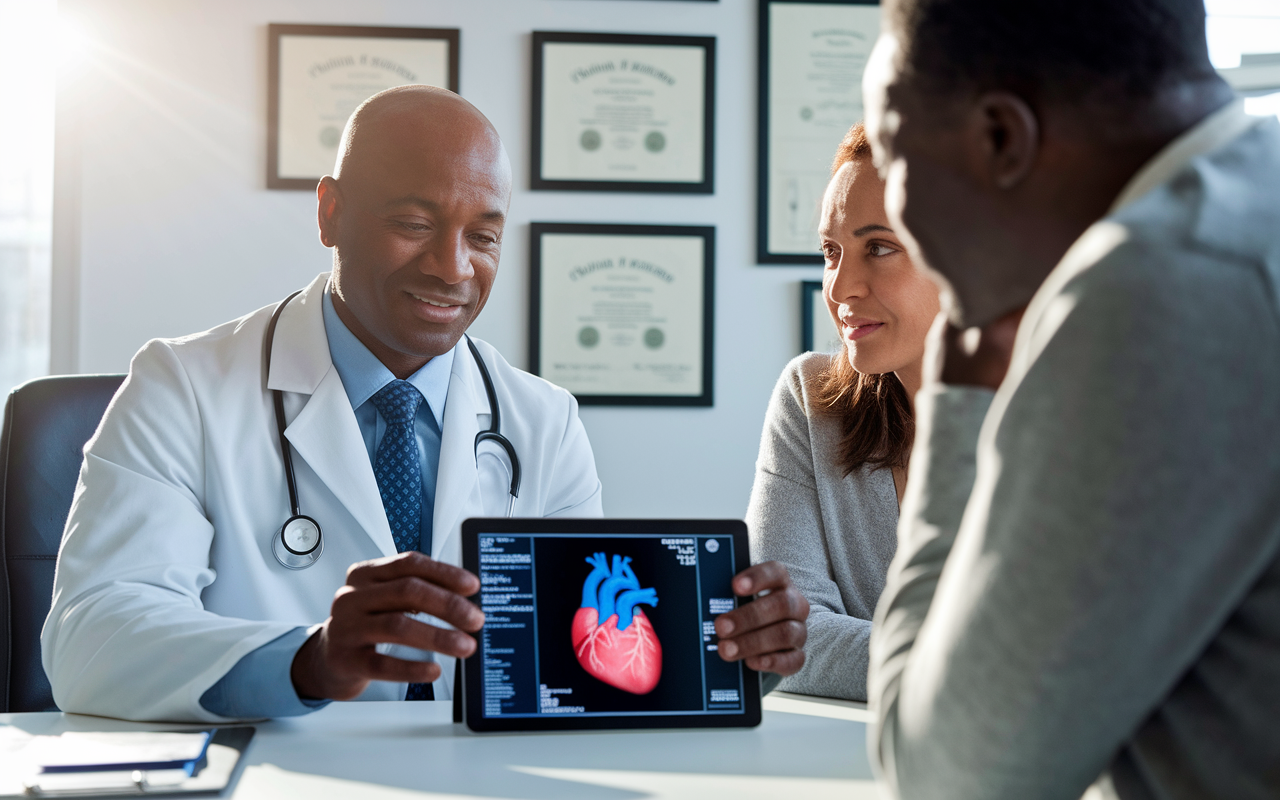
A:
(612, 637)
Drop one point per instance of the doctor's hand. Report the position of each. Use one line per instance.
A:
(768, 632)
(339, 659)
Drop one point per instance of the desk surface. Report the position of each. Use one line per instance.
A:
(805, 747)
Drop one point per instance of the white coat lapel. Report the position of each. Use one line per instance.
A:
(457, 481)
(324, 432)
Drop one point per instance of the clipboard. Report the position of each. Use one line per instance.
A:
(222, 763)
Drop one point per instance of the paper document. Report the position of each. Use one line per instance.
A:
(84, 760)
(76, 750)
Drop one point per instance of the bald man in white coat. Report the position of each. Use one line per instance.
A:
(169, 603)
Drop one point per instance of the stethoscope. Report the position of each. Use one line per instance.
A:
(299, 543)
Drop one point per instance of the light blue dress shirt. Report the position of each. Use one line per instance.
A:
(259, 685)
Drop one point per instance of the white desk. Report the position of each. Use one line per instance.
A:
(412, 751)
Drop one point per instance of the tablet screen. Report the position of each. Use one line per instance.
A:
(605, 629)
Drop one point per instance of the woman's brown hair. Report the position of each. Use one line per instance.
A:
(874, 410)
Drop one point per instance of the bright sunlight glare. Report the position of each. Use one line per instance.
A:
(27, 36)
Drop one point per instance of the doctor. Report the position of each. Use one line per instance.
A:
(173, 598)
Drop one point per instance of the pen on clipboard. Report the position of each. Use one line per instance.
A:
(121, 763)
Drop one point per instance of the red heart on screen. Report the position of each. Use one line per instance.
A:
(630, 659)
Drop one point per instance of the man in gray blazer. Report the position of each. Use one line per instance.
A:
(1086, 594)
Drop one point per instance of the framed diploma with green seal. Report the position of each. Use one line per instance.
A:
(319, 74)
(812, 56)
(623, 113)
(623, 314)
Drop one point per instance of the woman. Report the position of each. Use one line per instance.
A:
(838, 432)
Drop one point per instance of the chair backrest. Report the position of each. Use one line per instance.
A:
(46, 424)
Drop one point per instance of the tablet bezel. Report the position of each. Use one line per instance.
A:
(471, 672)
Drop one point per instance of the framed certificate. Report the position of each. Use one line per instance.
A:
(319, 74)
(622, 314)
(623, 112)
(812, 56)
(818, 332)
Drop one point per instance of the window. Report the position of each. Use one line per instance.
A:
(1244, 44)
(26, 189)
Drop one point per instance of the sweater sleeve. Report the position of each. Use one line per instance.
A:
(1051, 590)
(785, 523)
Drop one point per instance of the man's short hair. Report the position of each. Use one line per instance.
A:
(1051, 49)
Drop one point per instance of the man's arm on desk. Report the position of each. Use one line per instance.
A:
(1051, 590)
(259, 685)
(127, 634)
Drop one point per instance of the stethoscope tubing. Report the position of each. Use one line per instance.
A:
(295, 559)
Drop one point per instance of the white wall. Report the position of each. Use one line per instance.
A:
(163, 225)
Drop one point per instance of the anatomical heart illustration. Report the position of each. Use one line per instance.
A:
(612, 637)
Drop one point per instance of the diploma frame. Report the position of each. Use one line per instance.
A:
(816, 329)
(764, 255)
(541, 305)
(538, 182)
(276, 83)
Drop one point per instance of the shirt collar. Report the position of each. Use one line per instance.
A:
(363, 375)
(1210, 133)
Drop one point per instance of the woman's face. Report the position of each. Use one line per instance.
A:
(882, 304)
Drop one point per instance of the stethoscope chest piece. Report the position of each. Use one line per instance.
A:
(298, 544)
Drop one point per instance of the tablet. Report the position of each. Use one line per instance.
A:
(605, 623)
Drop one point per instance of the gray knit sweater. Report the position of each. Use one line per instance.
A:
(835, 533)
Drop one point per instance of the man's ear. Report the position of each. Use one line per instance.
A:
(328, 208)
(1010, 136)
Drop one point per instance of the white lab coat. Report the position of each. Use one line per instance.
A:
(166, 577)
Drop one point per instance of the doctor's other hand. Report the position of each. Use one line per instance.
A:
(339, 659)
(770, 631)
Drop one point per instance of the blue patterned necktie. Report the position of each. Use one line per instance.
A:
(399, 475)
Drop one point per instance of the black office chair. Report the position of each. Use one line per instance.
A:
(46, 424)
